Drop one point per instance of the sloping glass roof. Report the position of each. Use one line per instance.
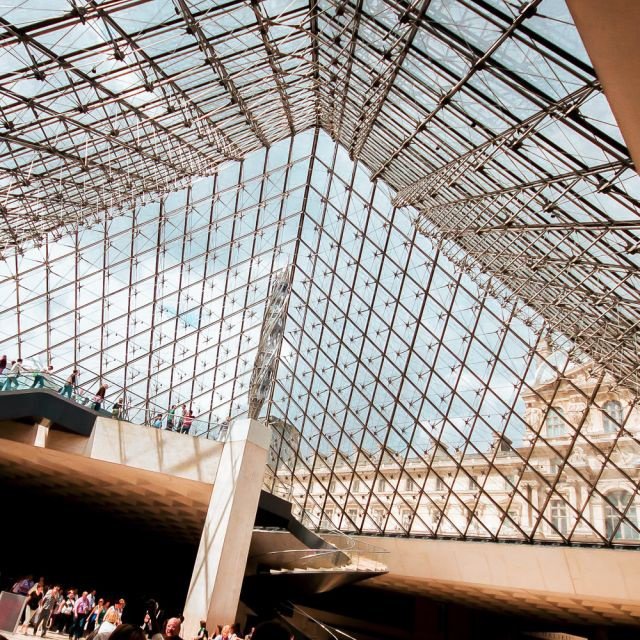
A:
(454, 196)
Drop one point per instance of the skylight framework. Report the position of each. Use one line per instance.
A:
(167, 300)
(425, 405)
(485, 116)
(106, 103)
(454, 199)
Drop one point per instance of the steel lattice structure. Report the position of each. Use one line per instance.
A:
(453, 196)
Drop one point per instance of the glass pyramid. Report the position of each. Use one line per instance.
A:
(456, 205)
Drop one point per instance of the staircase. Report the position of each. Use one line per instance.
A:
(288, 561)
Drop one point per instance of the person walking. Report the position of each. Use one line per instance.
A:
(95, 615)
(6, 385)
(17, 368)
(99, 397)
(45, 610)
(64, 620)
(42, 376)
(55, 616)
(33, 602)
(81, 610)
(102, 613)
(70, 384)
(3, 364)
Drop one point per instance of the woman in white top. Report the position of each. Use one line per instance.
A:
(108, 625)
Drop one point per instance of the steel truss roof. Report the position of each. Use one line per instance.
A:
(516, 220)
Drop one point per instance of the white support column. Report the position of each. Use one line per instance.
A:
(42, 433)
(217, 576)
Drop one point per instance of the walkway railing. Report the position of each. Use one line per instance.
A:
(302, 622)
(362, 555)
(343, 551)
(134, 408)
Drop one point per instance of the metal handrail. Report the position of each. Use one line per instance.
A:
(355, 551)
(355, 548)
(80, 394)
(140, 411)
(332, 530)
(307, 557)
(329, 629)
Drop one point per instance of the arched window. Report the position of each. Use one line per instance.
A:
(617, 526)
(556, 426)
(612, 416)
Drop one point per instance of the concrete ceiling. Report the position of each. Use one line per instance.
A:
(174, 506)
(578, 586)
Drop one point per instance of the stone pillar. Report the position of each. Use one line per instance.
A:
(42, 433)
(217, 576)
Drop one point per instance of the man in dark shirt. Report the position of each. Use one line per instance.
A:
(33, 601)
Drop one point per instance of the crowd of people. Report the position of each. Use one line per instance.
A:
(83, 615)
(180, 422)
(61, 611)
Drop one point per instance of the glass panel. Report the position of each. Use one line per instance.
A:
(456, 204)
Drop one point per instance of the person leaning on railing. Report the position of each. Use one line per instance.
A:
(42, 376)
(157, 421)
(187, 421)
(116, 410)
(71, 382)
(99, 397)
